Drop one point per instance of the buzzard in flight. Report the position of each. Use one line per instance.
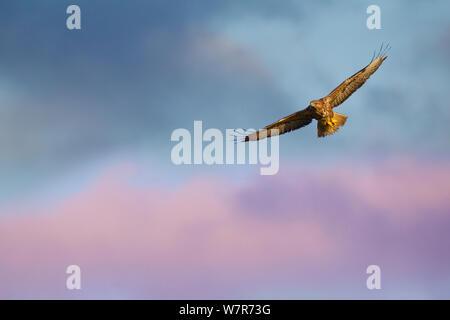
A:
(328, 122)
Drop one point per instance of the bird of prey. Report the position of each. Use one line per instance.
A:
(328, 122)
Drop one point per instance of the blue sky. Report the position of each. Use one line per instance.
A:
(136, 71)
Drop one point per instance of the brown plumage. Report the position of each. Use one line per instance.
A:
(328, 122)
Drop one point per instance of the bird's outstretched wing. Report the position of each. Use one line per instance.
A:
(289, 123)
(346, 88)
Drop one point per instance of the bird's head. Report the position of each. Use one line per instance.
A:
(315, 104)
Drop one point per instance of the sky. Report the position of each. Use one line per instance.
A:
(86, 176)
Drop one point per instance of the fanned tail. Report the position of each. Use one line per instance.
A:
(324, 128)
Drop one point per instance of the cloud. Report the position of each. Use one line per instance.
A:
(290, 235)
(133, 74)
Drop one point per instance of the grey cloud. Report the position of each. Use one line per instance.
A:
(138, 70)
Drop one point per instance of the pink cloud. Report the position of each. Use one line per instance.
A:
(211, 238)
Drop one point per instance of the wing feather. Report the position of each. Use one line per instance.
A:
(349, 86)
(292, 122)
